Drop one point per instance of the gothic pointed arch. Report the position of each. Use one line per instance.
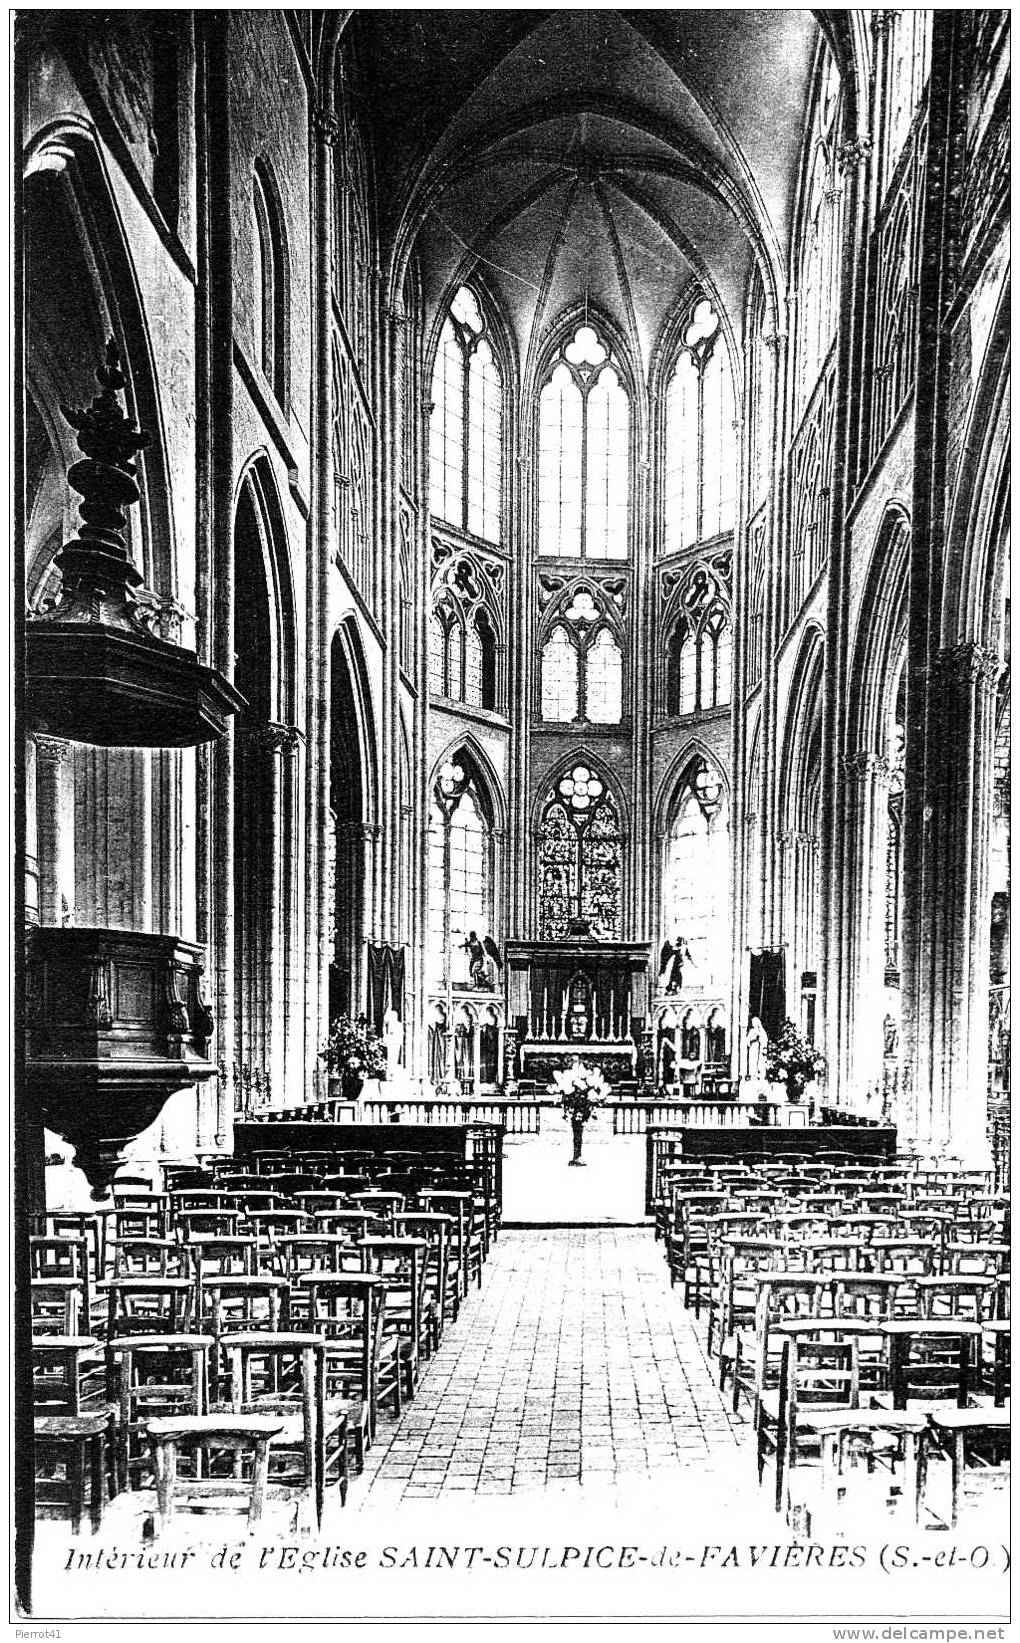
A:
(464, 871)
(73, 221)
(580, 839)
(266, 785)
(691, 899)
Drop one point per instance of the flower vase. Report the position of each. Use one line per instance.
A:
(577, 1130)
(351, 1083)
(794, 1087)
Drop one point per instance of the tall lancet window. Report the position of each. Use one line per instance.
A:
(821, 234)
(580, 857)
(695, 877)
(460, 872)
(701, 444)
(583, 453)
(466, 429)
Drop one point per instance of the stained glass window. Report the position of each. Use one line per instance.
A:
(699, 494)
(459, 873)
(580, 857)
(466, 427)
(583, 454)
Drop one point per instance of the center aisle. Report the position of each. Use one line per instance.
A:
(573, 1363)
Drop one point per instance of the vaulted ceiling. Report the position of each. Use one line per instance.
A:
(588, 156)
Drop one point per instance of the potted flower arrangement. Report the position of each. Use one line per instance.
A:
(352, 1052)
(580, 1089)
(792, 1061)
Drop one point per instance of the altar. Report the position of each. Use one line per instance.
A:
(578, 997)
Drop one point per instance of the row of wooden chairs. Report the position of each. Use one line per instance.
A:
(862, 1310)
(140, 1314)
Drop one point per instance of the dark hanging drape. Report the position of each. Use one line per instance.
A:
(385, 983)
(767, 994)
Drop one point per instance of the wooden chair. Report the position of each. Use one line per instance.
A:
(956, 1428)
(347, 1309)
(284, 1374)
(151, 1376)
(148, 1305)
(241, 1305)
(734, 1297)
(58, 1305)
(70, 1454)
(816, 1373)
(965, 1295)
(401, 1264)
(930, 1360)
(436, 1229)
(755, 1356)
(210, 1434)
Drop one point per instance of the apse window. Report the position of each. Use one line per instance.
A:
(580, 857)
(582, 667)
(699, 647)
(701, 444)
(466, 426)
(462, 654)
(583, 454)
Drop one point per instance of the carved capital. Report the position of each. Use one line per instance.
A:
(883, 18)
(327, 126)
(272, 737)
(52, 751)
(969, 663)
(864, 763)
(853, 153)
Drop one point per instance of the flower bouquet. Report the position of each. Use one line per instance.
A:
(792, 1061)
(353, 1052)
(580, 1090)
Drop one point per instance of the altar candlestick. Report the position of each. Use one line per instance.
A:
(612, 1012)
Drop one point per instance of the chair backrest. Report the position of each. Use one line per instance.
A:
(933, 1364)
(223, 1257)
(864, 1295)
(348, 1309)
(58, 1306)
(961, 1296)
(152, 1257)
(817, 1371)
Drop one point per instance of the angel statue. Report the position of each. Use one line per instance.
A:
(674, 955)
(479, 955)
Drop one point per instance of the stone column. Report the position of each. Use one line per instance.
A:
(861, 1004)
(293, 1036)
(272, 740)
(31, 847)
(949, 1074)
(55, 829)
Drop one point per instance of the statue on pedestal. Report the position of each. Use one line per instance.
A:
(480, 954)
(674, 955)
(756, 1043)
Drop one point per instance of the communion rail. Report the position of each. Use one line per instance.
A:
(526, 1117)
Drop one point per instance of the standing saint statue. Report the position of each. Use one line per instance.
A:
(756, 1042)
